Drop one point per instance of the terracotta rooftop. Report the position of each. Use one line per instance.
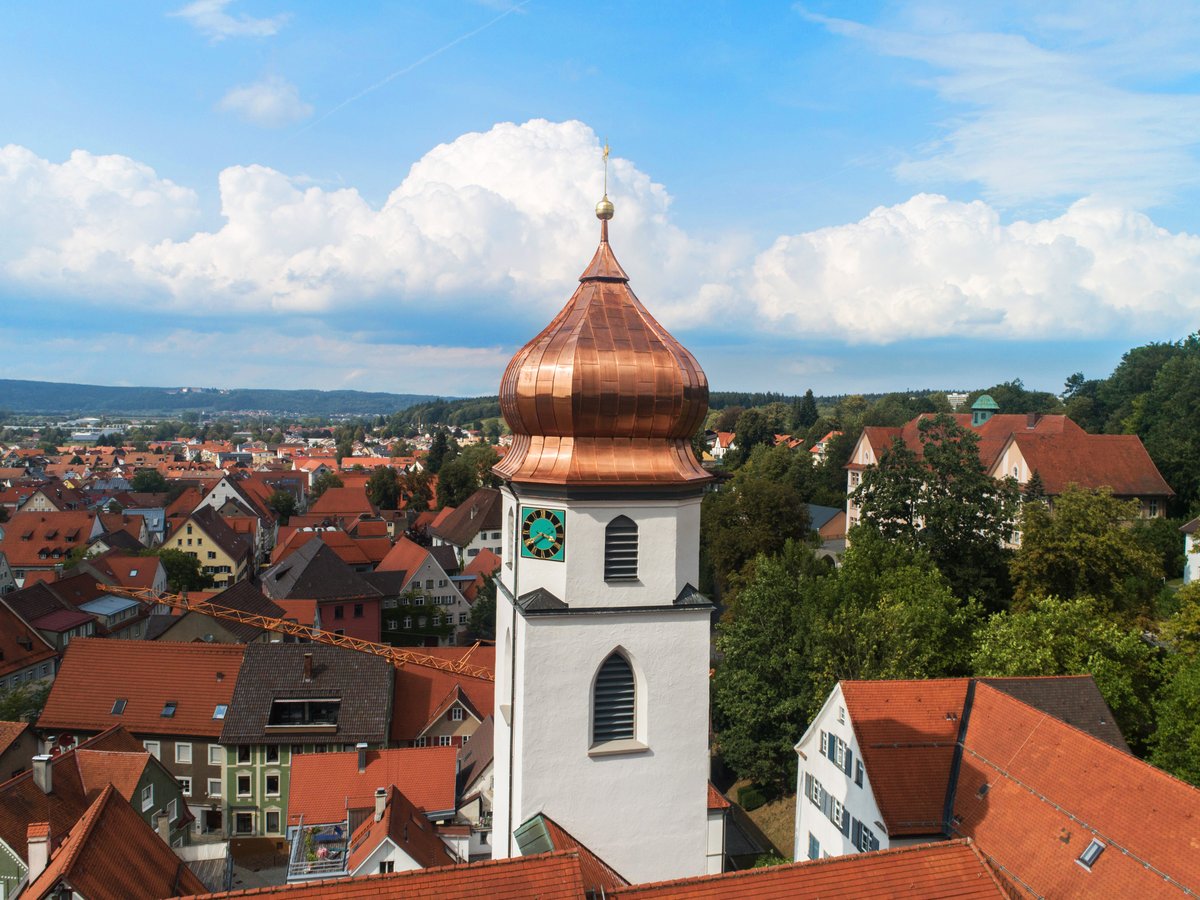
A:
(922, 872)
(405, 556)
(112, 852)
(479, 512)
(21, 646)
(343, 501)
(1116, 461)
(420, 690)
(10, 732)
(148, 675)
(599, 878)
(716, 800)
(407, 827)
(551, 876)
(325, 785)
(1033, 792)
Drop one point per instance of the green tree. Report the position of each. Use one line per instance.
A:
(1175, 746)
(753, 429)
(958, 514)
(1073, 637)
(283, 503)
(1035, 489)
(24, 703)
(324, 482)
(148, 481)
(481, 624)
(456, 482)
(415, 488)
(438, 448)
(480, 458)
(183, 570)
(804, 413)
(383, 488)
(1167, 417)
(1084, 548)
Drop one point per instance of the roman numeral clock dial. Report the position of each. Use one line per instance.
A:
(543, 533)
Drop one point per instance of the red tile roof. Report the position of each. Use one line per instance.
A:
(405, 556)
(10, 732)
(716, 800)
(123, 770)
(112, 852)
(407, 827)
(950, 869)
(599, 878)
(1052, 788)
(343, 501)
(21, 646)
(1116, 461)
(549, 876)
(62, 620)
(95, 673)
(22, 801)
(906, 731)
(32, 539)
(324, 785)
(420, 690)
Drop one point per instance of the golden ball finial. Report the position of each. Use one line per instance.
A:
(604, 209)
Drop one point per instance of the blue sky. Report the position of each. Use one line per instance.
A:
(395, 196)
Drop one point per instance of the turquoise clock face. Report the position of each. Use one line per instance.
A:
(543, 533)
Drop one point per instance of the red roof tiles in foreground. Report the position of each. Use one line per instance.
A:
(549, 876)
(407, 827)
(420, 691)
(95, 673)
(112, 852)
(599, 878)
(906, 731)
(324, 785)
(405, 556)
(923, 872)
(716, 800)
(1051, 789)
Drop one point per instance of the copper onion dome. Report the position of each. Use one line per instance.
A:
(603, 395)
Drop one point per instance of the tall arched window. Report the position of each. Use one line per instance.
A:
(613, 701)
(621, 549)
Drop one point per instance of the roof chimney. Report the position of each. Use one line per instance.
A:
(380, 803)
(308, 667)
(42, 776)
(37, 838)
(362, 756)
(1031, 420)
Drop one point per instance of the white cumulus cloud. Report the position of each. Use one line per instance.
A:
(271, 102)
(933, 267)
(504, 217)
(210, 18)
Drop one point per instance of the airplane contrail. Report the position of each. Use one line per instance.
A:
(424, 59)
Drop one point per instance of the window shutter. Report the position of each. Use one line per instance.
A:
(856, 833)
(808, 791)
(613, 703)
(621, 550)
(826, 803)
(824, 743)
(858, 773)
(832, 754)
(845, 822)
(849, 760)
(874, 842)
(814, 847)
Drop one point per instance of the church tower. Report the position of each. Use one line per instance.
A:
(602, 638)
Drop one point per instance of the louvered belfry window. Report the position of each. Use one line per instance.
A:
(612, 706)
(620, 549)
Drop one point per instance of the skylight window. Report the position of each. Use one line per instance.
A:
(169, 709)
(1088, 857)
(119, 706)
(219, 712)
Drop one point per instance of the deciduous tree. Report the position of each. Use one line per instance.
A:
(383, 488)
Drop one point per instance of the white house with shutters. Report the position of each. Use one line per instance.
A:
(836, 812)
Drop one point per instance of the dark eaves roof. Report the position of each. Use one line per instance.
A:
(689, 596)
(315, 572)
(481, 511)
(234, 544)
(274, 671)
(539, 599)
(1074, 699)
(446, 557)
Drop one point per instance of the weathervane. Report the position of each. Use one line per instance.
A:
(604, 209)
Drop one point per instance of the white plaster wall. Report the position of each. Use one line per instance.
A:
(643, 812)
(1191, 566)
(385, 851)
(1010, 459)
(859, 802)
(716, 841)
(668, 552)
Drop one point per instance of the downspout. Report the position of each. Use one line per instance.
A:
(512, 670)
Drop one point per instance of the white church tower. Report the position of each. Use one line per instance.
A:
(602, 666)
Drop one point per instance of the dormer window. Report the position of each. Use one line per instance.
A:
(168, 710)
(621, 550)
(1091, 853)
(118, 707)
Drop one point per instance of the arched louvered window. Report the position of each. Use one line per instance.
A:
(512, 538)
(620, 549)
(613, 701)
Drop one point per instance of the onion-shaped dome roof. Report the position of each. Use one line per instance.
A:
(604, 395)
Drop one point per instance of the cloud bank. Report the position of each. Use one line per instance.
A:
(209, 17)
(505, 218)
(271, 103)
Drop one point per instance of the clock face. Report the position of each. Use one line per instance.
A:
(543, 533)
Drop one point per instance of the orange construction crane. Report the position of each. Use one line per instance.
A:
(397, 656)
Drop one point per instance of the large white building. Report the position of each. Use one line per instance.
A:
(602, 639)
